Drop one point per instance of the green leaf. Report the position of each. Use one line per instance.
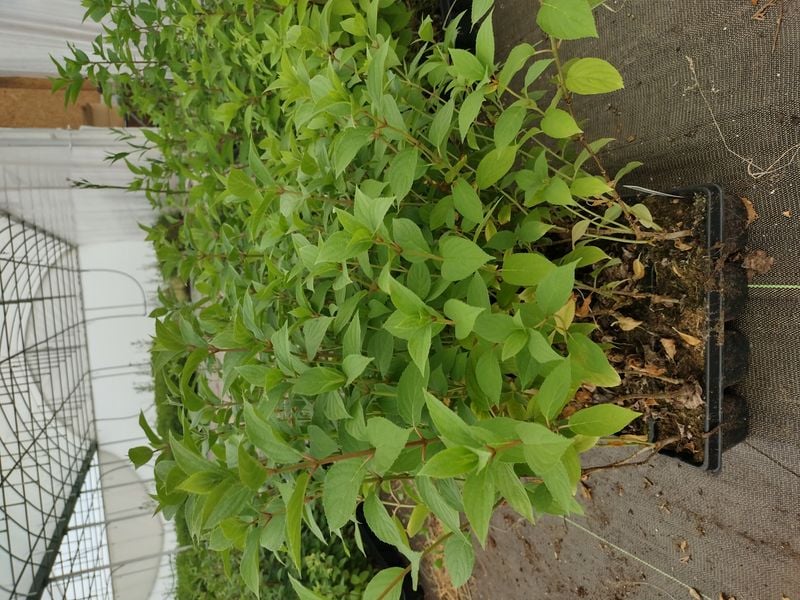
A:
(189, 460)
(642, 213)
(555, 391)
(634, 164)
(526, 269)
(317, 380)
(226, 500)
(461, 257)
(558, 123)
(602, 419)
(437, 504)
(469, 110)
(322, 444)
(294, 518)
(251, 473)
(382, 525)
(562, 490)
(408, 236)
(510, 487)
(451, 428)
(248, 567)
(466, 65)
(441, 123)
(225, 112)
(589, 187)
(419, 347)
(370, 211)
(257, 375)
(508, 125)
(464, 316)
(466, 201)
(480, 8)
(264, 437)
(386, 585)
(558, 193)
(151, 435)
(140, 455)
(592, 76)
(240, 185)
(405, 326)
(555, 288)
(484, 43)
(540, 349)
(495, 165)
(410, 394)
(347, 144)
(514, 344)
(589, 362)
(479, 503)
(542, 447)
(403, 298)
(303, 593)
(450, 462)
(388, 440)
(495, 327)
(353, 366)
(340, 492)
(567, 19)
(536, 69)
(401, 172)
(257, 166)
(459, 560)
(489, 376)
(202, 482)
(314, 332)
(517, 57)
(584, 256)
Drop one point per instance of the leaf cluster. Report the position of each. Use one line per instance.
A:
(386, 236)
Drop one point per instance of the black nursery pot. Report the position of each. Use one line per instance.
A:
(727, 349)
(385, 556)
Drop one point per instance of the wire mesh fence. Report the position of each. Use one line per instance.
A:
(47, 436)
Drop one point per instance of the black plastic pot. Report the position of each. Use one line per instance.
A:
(727, 349)
(384, 556)
(449, 9)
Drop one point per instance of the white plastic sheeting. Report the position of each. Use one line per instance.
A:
(37, 168)
(32, 30)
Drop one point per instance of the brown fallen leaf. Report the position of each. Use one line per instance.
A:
(694, 594)
(627, 324)
(689, 339)
(752, 215)
(683, 246)
(638, 270)
(787, 214)
(669, 347)
(758, 262)
(585, 307)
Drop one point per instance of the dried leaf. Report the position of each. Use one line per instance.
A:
(627, 324)
(758, 262)
(585, 307)
(688, 339)
(638, 270)
(787, 214)
(785, 597)
(683, 245)
(669, 347)
(752, 215)
(694, 594)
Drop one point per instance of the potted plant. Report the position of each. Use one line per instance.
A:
(410, 271)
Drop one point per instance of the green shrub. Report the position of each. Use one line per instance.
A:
(389, 240)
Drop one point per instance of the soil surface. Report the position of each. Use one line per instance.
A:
(656, 326)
